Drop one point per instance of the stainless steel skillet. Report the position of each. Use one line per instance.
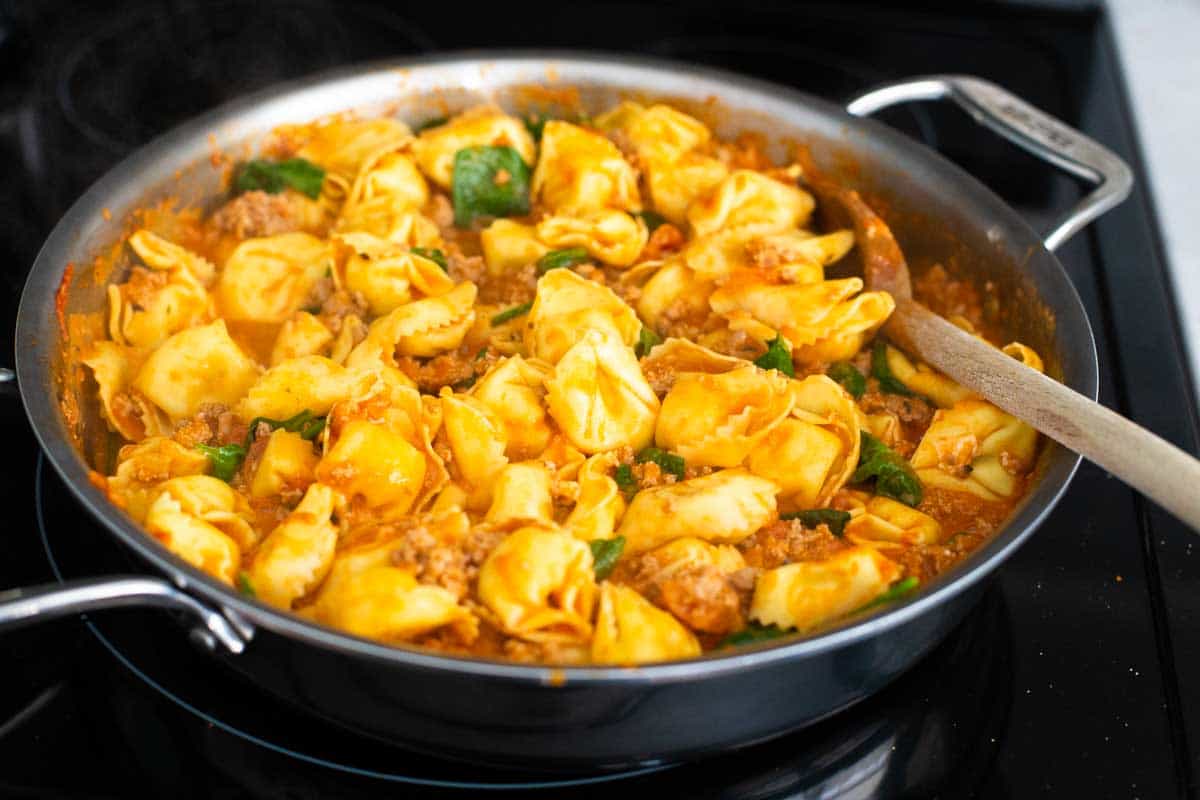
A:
(538, 715)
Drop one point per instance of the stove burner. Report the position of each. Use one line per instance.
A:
(938, 726)
(144, 72)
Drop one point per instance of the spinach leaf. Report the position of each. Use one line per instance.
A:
(557, 259)
(831, 518)
(605, 553)
(647, 341)
(245, 586)
(849, 377)
(667, 462)
(489, 181)
(275, 176)
(626, 482)
(511, 313)
(304, 423)
(883, 373)
(893, 593)
(894, 477)
(652, 219)
(753, 634)
(433, 254)
(225, 459)
(777, 357)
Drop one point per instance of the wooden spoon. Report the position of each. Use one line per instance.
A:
(1148, 463)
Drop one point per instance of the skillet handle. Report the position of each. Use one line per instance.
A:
(1027, 127)
(27, 606)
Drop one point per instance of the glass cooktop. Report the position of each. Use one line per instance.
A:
(1077, 675)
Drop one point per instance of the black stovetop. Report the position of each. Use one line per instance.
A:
(1079, 673)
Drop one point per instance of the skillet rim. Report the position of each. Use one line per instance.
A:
(36, 315)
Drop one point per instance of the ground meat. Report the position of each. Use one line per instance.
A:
(666, 239)
(544, 652)
(699, 595)
(914, 413)
(510, 289)
(462, 267)
(433, 560)
(786, 542)
(948, 296)
(142, 286)
(748, 151)
(440, 210)
(738, 344)
(927, 561)
(339, 305)
(258, 214)
(963, 512)
(449, 369)
(480, 542)
(660, 375)
(191, 433)
(703, 598)
(213, 424)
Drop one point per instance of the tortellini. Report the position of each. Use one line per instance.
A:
(309, 383)
(287, 462)
(371, 462)
(341, 145)
(301, 335)
(630, 630)
(478, 440)
(508, 246)
(435, 148)
(717, 420)
(825, 322)
(810, 593)
(513, 392)
(722, 508)
(599, 504)
(599, 397)
(196, 366)
(581, 171)
(203, 521)
(812, 453)
(752, 200)
(566, 307)
(881, 519)
(269, 279)
(924, 381)
(143, 467)
(387, 276)
(296, 556)
(975, 447)
(114, 367)
(668, 144)
(674, 288)
(539, 584)
(613, 237)
(420, 328)
(151, 306)
(366, 595)
(388, 189)
(521, 496)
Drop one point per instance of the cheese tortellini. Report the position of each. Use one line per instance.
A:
(577, 396)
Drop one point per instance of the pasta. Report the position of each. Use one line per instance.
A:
(591, 390)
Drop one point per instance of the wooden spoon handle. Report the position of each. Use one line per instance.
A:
(1153, 466)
